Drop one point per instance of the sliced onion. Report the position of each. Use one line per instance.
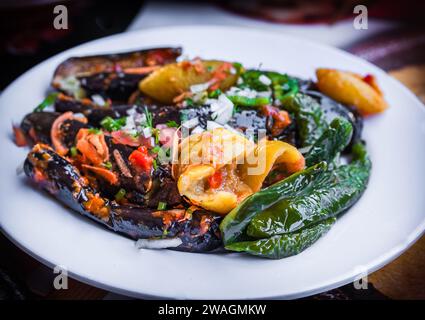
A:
(211, 125)
(191, 123)
(158, 243)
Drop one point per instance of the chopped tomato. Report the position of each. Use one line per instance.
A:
(371, 80)
(215, 180)
(141, 159)
(158, 57)
(20, 139)
(39, 176)
(199, 66)
(281, 119)
(97, 205)
(219, 74)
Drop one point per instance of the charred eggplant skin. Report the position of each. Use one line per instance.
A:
(37, 125)
(89, 65)
(198, 231)
(115, 76)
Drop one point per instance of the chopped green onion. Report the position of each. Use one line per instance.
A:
(214, 94)
(172, 124)
(156, 149)
(48, 101)
(155, 133)
(155, 164)
(108, 165)
(111, 124)
(164, 233)
(120, 195)
(149, 118)
(238, 66)
(249, 102)
(189, 102)
(162, 205)
(95, 131)
(74, 152)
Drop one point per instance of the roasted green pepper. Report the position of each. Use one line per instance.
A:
(331, 193)
(297, 203)
(282, 85)
(310, 118)
(235, 223)
(330, 143)
(282, 246)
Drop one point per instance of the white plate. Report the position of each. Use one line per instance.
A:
(388, 218)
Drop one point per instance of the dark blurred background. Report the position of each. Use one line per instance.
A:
(27, 36)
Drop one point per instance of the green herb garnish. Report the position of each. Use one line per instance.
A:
(95, 131)
(120, 195)
(214, 94)
(108, 165)
(189, 102)
(172, 124)
(149, 118)
(48, 101)
(111, 124)
(74, 152)
(162, 205)
(156, 149)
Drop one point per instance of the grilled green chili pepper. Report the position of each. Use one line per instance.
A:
(310, 118)
(235, 223)
(281, 246)
(249, 102)
(283, 85)
(329, 194)
(330, 143)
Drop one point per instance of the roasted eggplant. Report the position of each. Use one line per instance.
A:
(114, 76)
(198, 155)
(198, 230)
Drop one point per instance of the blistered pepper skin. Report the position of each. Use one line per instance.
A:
(331, 193)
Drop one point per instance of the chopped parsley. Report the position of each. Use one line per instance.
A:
(155, 164)
(214, 94)
(149, 118)
(47, 102)
(120, 194)
(74, 152)
(111, 124)
(108, 165)
(95, 131)
(162, 205)
(172, 124)
(189, 102)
